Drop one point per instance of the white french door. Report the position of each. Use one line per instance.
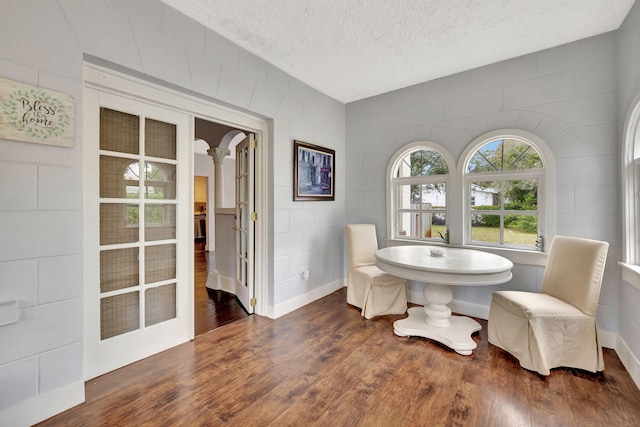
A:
(245, 222)
(139, 270)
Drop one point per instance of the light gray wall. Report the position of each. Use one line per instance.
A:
(43, 43)
(629, 89)
(566, 95)
(203, 166)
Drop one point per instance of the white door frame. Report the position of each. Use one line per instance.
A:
(109, 81)
(102, 356)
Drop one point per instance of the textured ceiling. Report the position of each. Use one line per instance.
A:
(353, 49)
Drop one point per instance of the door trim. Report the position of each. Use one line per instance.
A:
(103, 356)
(123, 85)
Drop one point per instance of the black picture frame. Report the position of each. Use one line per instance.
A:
(313, 172)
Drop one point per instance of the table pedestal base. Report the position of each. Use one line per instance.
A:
(456, 336)
(454, 267)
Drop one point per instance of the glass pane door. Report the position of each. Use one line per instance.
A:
(137, 222)
(139, 230)
(245, 289)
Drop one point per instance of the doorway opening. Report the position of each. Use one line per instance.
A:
(212, 308)
(215, 216)
(139, 210)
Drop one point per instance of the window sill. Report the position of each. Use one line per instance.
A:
(631, 274)
(516, 256)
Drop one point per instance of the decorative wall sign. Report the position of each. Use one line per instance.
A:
(313, 172)
(32, 114)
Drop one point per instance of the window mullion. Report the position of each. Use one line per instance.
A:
(418, 176)
(499, 223)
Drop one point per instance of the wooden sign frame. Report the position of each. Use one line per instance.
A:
(33, 114)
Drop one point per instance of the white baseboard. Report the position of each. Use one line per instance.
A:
(629, 360)
(44, 406)
(608, 339)
(467, 308)
(218, 282)
(275, 311)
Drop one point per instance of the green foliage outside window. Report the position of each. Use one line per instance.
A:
(508, 155)
(133, 215)
(155, 179)
(504, 155)
(426, 163)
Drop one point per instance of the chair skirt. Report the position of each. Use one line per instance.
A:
(544, 332)
(376, 292)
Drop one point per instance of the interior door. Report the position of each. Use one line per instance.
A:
(245, 222)
(139, 274)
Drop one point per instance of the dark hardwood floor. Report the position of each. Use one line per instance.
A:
(211, 308)
(323, 365)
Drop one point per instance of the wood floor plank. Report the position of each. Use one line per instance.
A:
(324, 365)
(377, 371)
(212, 308)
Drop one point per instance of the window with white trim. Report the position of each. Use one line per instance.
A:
(504, 180)
(156, 186)
(419, 176)
(631, 185)
(499, 194)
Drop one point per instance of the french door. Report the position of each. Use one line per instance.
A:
(245, 222)
(138, 172)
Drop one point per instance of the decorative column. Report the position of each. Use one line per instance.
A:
(218, 154)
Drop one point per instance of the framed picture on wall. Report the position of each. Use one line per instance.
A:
(313, 172)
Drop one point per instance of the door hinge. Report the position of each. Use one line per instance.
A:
(254, 143)
(254, 216)
(253, 302)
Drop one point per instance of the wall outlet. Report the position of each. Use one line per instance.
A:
(305, 275)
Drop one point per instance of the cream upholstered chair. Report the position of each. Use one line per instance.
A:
(368, 287)
(558, 326)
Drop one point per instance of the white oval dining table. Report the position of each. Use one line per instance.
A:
(455, 267)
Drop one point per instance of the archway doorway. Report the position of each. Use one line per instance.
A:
(216, 301)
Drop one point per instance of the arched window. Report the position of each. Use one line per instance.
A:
(501, 194)
(417, 180)
(631, 187)
(156, 186)
(504, 185)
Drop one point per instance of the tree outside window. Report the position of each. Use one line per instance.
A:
(420, 183)
(503, 178)
(155, 187)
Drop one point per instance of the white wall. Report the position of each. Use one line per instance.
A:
(43, 43)
(203, 166)
(567, 96)
(41, 221)
(229, 200)
(629, 89)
